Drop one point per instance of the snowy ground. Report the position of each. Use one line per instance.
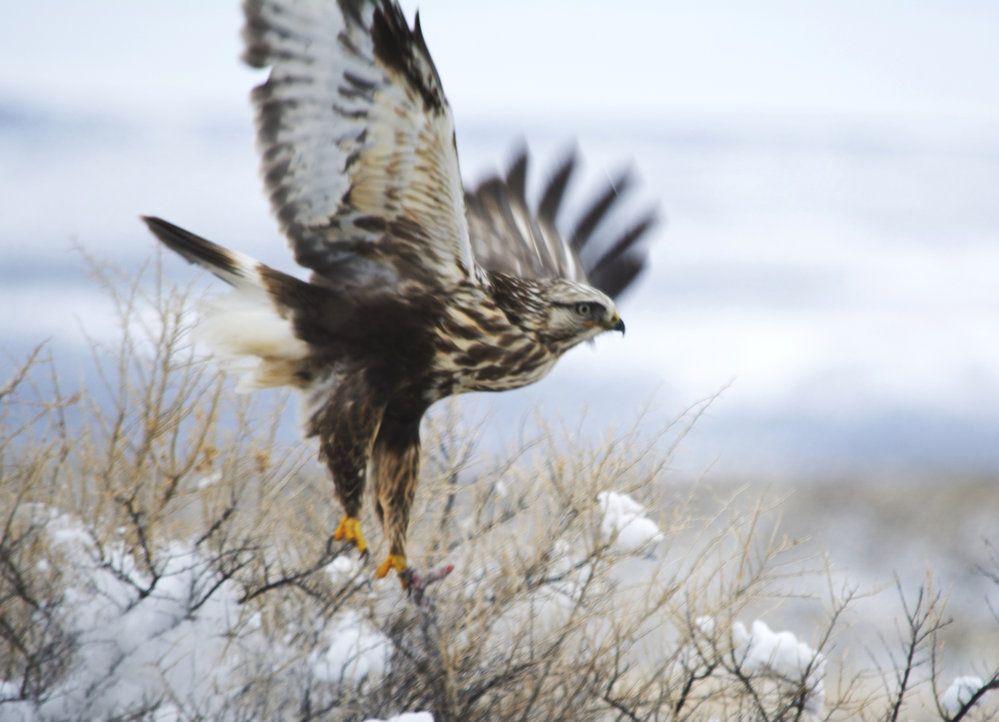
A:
(186, 648)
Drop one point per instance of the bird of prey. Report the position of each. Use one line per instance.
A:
(419, 287)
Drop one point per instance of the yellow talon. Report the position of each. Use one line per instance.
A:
(349, 529)
(392, 561)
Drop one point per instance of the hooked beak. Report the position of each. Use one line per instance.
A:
(617, 324)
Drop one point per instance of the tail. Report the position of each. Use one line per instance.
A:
(234, 268)
(251, 330)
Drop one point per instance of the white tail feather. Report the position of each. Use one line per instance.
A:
(247, 334)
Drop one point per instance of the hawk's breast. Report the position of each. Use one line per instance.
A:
(478, 348)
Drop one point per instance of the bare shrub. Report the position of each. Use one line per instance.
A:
(165, 554)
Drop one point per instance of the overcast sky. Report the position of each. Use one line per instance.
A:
(923, 60)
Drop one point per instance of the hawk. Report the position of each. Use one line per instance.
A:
(419, 287)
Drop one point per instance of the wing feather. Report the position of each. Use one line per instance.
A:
(357, 142)
(597, 212)
(551, 199)
(620, 264)
(507, 235)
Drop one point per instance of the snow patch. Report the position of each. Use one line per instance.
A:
(780, 654)
(356, 651)
(624, 524)
(342, 569)
(706, 624)
(407, 717)
(9, 690)
(961, 690)
(182, 638)
(132, 648)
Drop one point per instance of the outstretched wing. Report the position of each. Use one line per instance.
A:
(508, 234)
(357, 142)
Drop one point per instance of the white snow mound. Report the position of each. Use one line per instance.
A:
(175, 642)
(961, 690)
(781, 655)
(624, 523)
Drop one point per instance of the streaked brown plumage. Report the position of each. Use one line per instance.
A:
(419, 288)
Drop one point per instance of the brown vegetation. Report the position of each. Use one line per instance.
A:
(162, 490)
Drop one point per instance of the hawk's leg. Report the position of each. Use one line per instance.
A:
(395, 466)
(346, 426)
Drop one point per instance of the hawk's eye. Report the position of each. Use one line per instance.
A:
(583, 309)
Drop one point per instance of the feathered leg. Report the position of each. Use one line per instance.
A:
(395, 466)
(346, 427)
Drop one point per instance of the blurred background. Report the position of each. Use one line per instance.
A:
(828, 172)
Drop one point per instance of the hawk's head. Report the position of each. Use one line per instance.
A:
(577, 312)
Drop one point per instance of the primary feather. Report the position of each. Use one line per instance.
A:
(509, 235)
